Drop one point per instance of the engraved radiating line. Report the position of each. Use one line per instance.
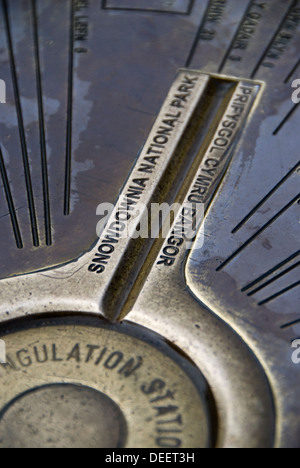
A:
(273, 38)
(280, 275)
(191, 3)
(270, 272)
(290, 324)
(31, 204)
(198, 35)
(262, 229)
(47, 214)
(229, 50)
(292, 72)
(68, 165)
(280, 293)
(10, 203)
(286, 118)
(266, 198)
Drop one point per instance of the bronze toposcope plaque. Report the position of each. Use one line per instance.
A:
(112, 337)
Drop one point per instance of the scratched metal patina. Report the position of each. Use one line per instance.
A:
(129, 101)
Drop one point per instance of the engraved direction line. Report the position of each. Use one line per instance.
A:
(47, 214)
(30, 197)
(271, 281)
(68, 165)
(10, 203)
(291, 74)
(270, 272)
(294, 4)
(266, 198)
(290, 324)
(229, 50)
(191, 3)
(280, 293)
(286, 118)
(260, 231)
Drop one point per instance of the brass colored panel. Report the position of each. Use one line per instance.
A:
(168, 339)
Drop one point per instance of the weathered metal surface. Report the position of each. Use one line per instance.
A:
(85, 84)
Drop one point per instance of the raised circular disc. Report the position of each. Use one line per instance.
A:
(77, 383)
(62, 416)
